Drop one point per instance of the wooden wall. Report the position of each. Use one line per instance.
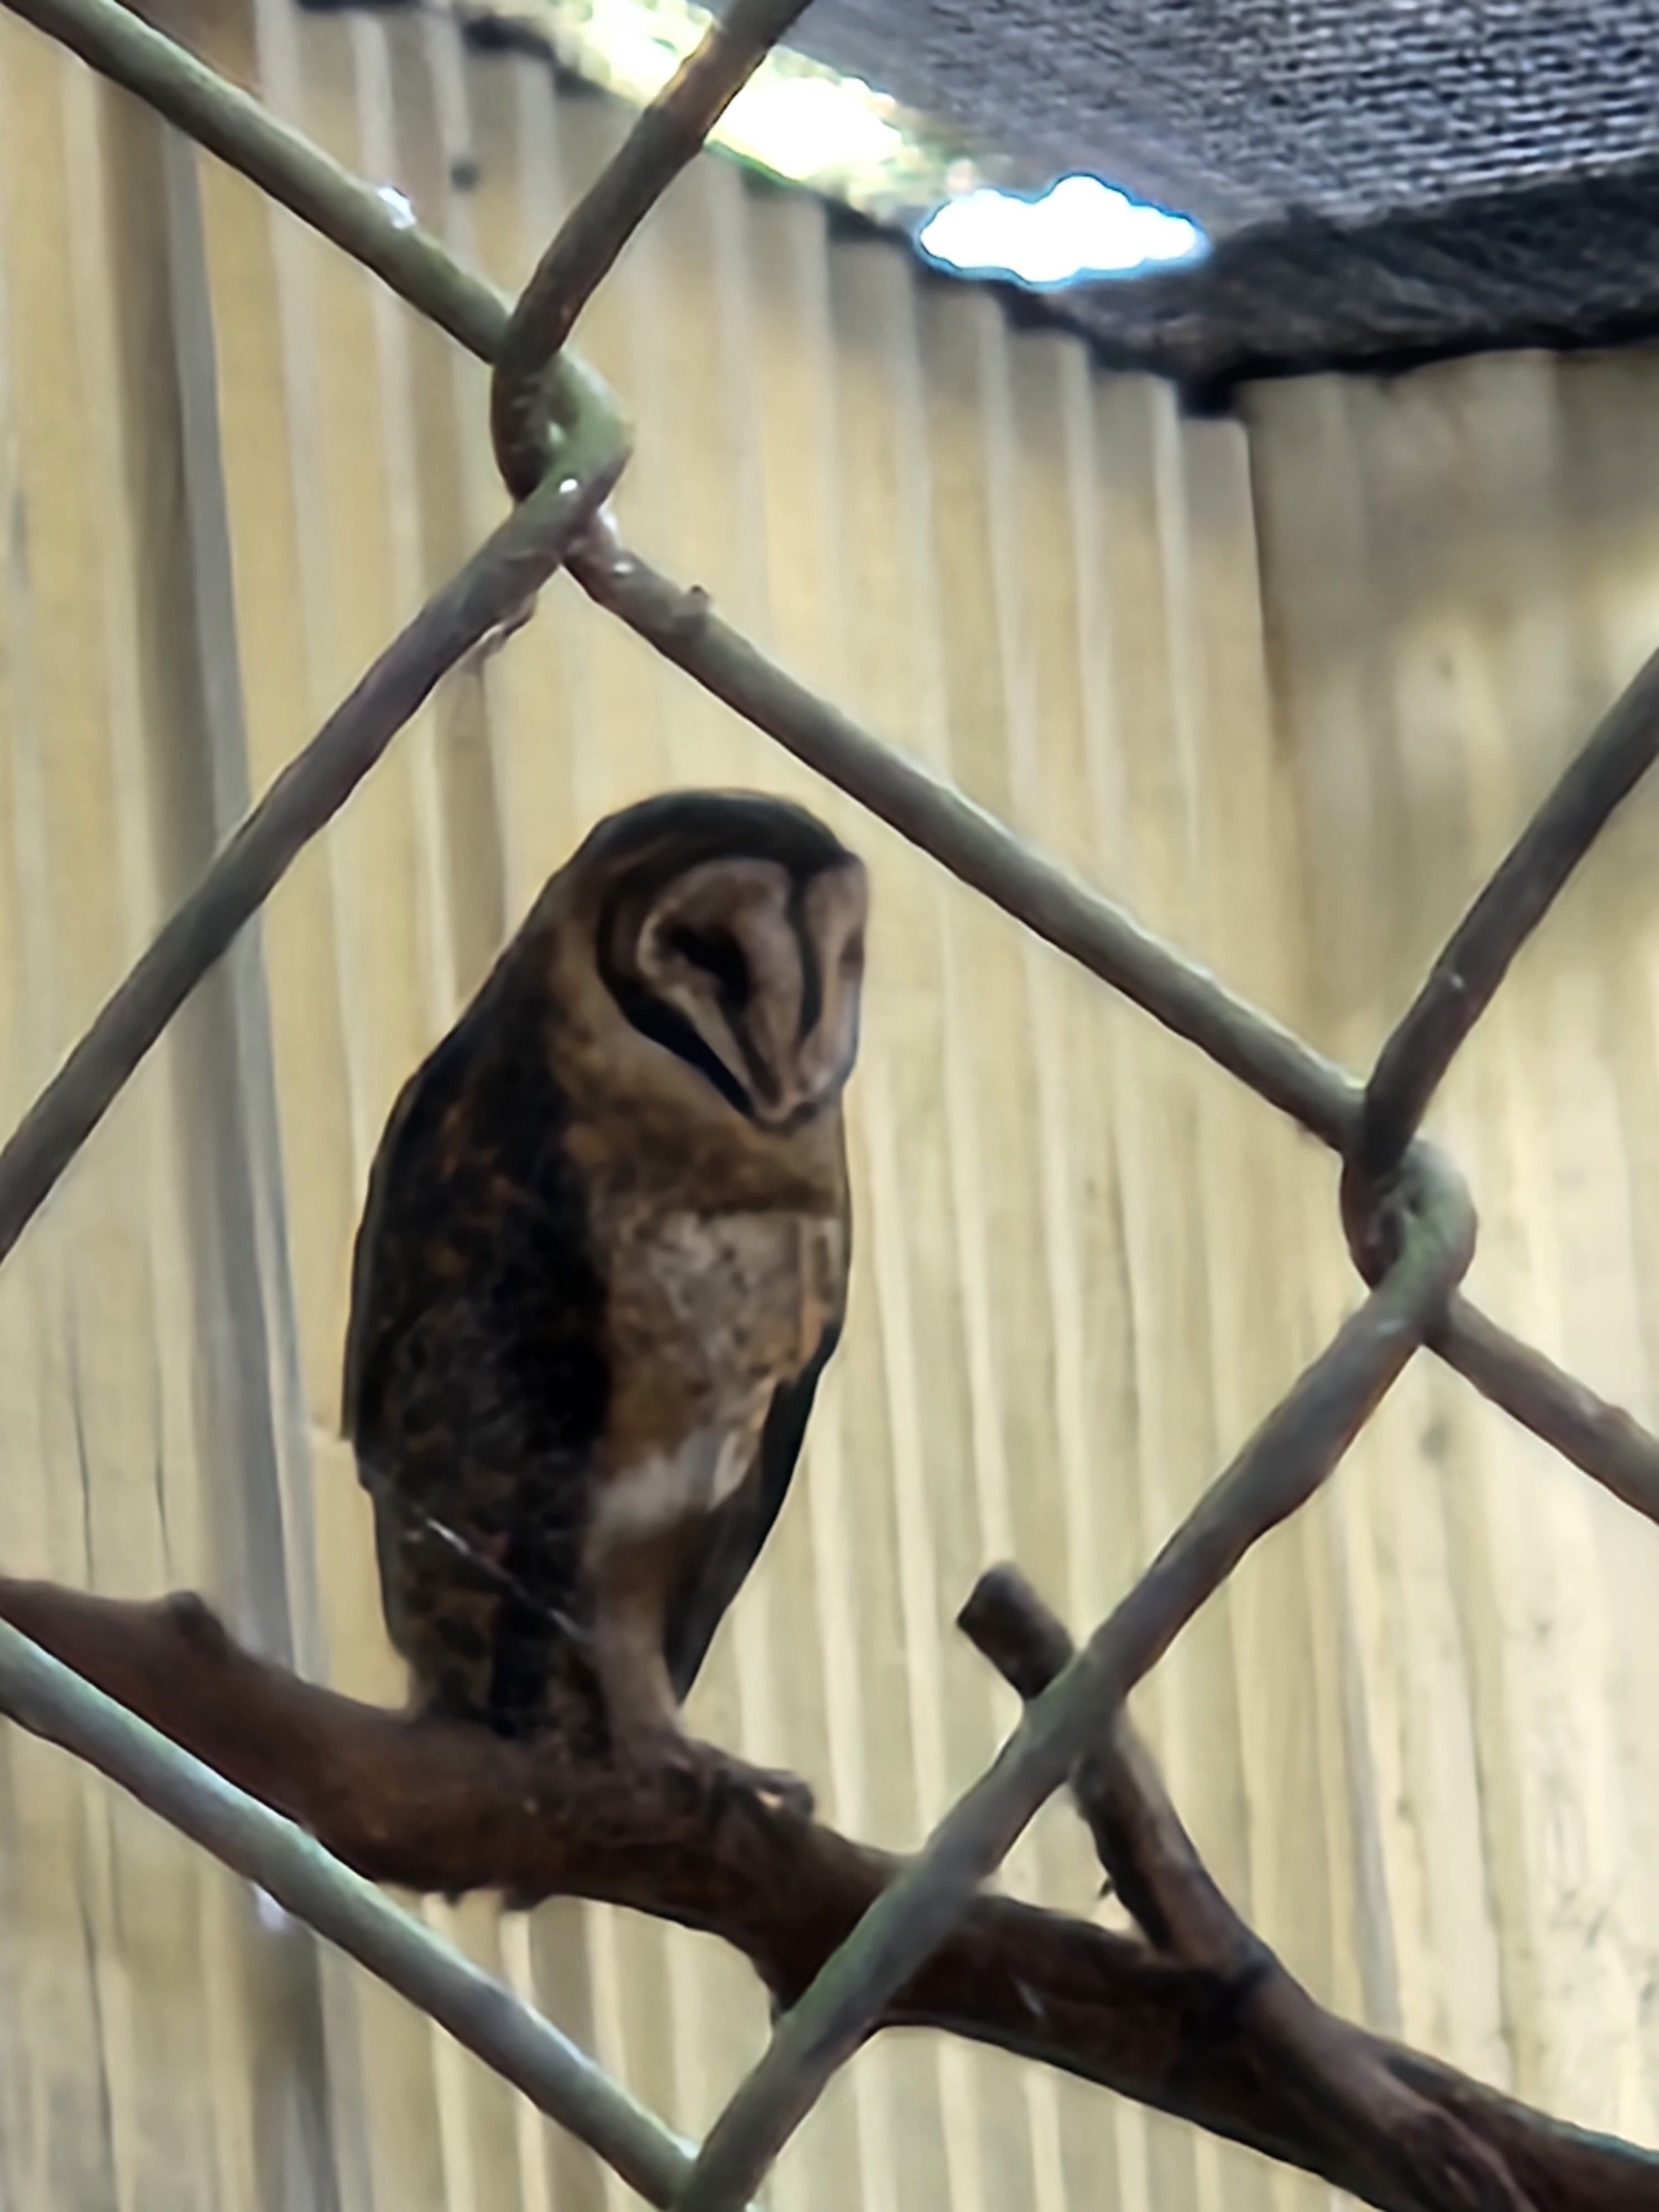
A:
(1287, 684)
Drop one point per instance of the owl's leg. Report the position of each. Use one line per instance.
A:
(630, 1597)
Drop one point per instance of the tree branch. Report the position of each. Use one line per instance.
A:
(1215, 2010)
(446, 1808)
(1402, 2139)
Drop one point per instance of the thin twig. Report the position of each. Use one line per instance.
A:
(1006, 1620)
(1514, 901)
(1280, 1467)
(44, 1696)
(666, 136)
(508, 568)
(1153, 1863)
(1400, 2135)
(441, 1807)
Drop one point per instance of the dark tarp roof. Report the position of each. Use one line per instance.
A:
(1385, 180)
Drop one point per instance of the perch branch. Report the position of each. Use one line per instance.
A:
(665, 137)
(446, 1808)
(1460, 984)
(1277, 1471)
(1403, 2140)
(510, 566)
(1599, 1439)
(46, 1695)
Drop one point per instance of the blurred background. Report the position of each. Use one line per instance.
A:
(1283, 665)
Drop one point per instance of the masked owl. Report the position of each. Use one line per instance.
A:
(602, 1263)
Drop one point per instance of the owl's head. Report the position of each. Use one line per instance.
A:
(730, 930)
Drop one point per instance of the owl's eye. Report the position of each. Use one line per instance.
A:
(719, 957)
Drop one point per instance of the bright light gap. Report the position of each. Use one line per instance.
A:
(1079, 228)
(805, 124)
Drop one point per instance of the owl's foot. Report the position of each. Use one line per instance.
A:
(771, 1785)
(715, 1773)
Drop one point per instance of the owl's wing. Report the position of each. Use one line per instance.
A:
(732, 1537)
(395, 1215)
(476, 1379)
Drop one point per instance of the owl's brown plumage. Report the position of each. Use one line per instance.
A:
(601, 1266)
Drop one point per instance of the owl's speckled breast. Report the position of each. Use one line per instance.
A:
(752, 1290)
(730, 1306)
(727, 1305)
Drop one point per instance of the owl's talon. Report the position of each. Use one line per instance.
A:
(719, 1774)
(791, 1793)
(773, 1788)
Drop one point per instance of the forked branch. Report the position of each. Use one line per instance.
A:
(1201, 2020)
(449, 1809)
(1405, 2141)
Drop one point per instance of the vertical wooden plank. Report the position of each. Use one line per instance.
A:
(60, 2133)
(1013, 1152)
(314, 558)
(1494, 1664)
(1256, 1182)
(143, 1384)
(1148, 848)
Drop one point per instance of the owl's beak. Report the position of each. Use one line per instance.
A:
(803, 1044)
(783, 1097)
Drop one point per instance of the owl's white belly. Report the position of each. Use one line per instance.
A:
(659, 1494)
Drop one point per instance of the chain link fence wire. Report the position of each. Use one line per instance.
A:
(562, 448)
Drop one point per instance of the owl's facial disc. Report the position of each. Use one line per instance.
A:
(767, 971)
